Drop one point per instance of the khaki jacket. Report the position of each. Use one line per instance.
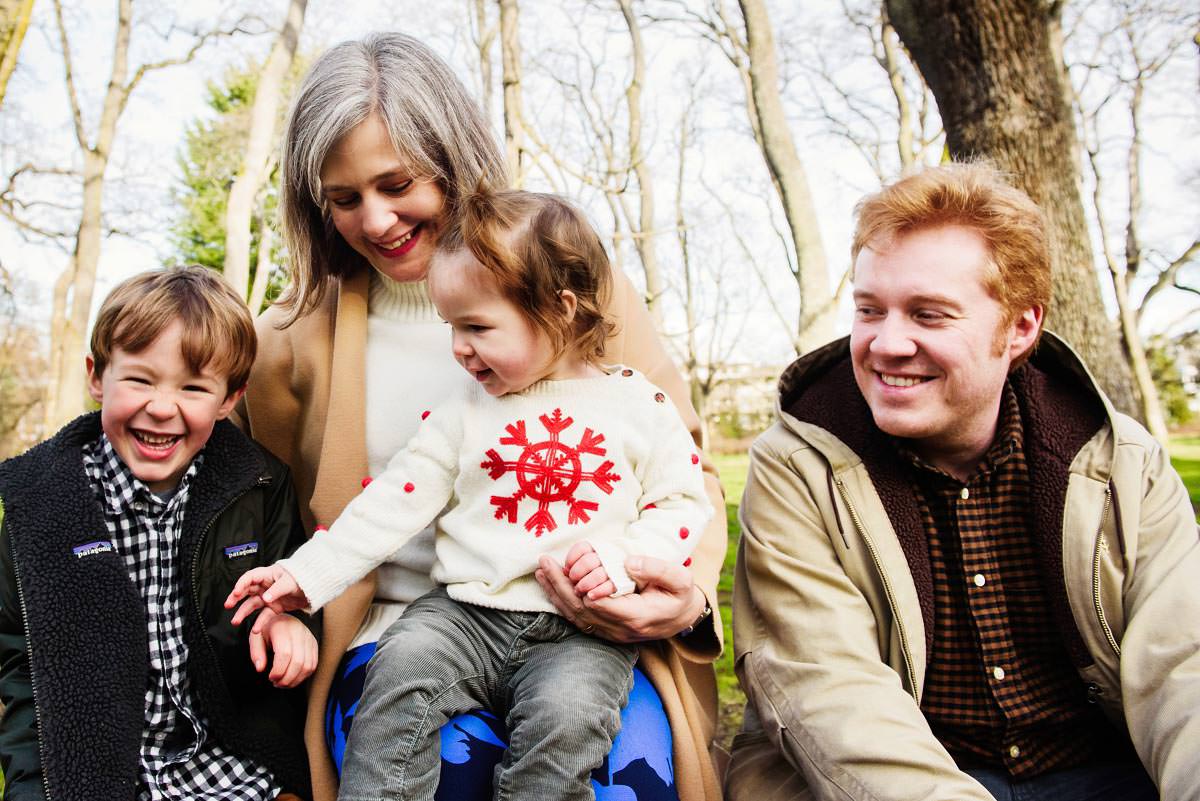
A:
(305, 403)
(832, 602)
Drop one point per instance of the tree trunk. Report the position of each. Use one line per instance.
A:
(262, 269)
(483, 46)
(996, 70)
(644, 235)
(817, 311)
(14, 21)
(73, 290)
(67, 340)
(263, 117)
(510, 76)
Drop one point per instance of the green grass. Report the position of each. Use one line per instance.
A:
(1185, 455)
(732, 469)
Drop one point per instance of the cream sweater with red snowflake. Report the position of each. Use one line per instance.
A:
(605, 459)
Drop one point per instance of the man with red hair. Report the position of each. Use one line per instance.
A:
(963, 574)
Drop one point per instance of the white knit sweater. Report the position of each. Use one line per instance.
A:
(604, 459)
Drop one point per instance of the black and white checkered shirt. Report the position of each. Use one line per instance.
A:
(178, 759)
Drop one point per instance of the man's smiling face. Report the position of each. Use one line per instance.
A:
(931, 345)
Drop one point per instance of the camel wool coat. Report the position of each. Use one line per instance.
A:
(305, 402)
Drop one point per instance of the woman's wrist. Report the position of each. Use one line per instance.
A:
(699, 610)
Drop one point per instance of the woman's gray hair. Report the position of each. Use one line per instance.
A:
(434, 123)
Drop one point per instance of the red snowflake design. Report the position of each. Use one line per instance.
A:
(549, 472)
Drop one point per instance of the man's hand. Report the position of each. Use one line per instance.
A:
(666, 602)
(270, 586)
(293, 646)
(584, 568)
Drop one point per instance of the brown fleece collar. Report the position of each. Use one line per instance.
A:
(1059, 415)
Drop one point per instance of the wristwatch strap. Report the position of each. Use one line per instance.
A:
(704, 615)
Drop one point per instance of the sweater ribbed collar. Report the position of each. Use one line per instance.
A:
(403, 301)
(578, 387)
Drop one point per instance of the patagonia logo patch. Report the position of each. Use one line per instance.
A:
(93, 548)
(245, 549)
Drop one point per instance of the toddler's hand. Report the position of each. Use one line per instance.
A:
(293, 645)
(270, 586)
(584, 569)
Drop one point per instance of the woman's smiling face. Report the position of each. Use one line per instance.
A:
(378, 206)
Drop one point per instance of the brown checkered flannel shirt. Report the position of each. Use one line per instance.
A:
(1000, 689)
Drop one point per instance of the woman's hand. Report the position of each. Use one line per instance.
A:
(666, 603)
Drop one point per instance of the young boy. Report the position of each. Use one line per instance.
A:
(121, 536)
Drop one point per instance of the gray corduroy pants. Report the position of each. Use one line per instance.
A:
(560, 692)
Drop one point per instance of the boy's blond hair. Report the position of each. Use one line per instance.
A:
(217, 328)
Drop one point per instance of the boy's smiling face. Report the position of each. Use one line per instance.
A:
(156, 410)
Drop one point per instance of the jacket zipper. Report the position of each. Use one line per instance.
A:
(37, 708)
(1112, 641)
(262, 480)
(887, 585)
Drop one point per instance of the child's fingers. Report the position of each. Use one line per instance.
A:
(249, 583)
(583, 565)
(258, 651)
(302, 655)
(297, 668)
(591, 581)
(248, 607)
(578, 550)
(603, 591)
(281, 660)
(311, 652)
(285, 594)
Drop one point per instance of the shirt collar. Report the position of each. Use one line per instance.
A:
(1009, 439)
(120, 489)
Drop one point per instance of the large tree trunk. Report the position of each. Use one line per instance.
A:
(14, 21)
(817, 310)
(263, 117)
(996, 69)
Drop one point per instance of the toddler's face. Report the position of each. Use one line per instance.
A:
(158, 412)
(493, 341)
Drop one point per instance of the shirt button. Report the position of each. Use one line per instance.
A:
(998, 672)
(1014, 751)
(979, 580)
(966, 493)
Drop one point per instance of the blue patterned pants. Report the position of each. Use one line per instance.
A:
(639, 767)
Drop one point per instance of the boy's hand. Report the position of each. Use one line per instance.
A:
(591, 579)
(270, 586)
(293, 645)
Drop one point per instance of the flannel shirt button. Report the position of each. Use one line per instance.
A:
(1014, 751)
(979, 580)
(998, 673)
(966, 493)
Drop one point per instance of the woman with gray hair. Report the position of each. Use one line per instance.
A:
(382, 143)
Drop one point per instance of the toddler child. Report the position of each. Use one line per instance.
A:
(542, 453)
(121, 536)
